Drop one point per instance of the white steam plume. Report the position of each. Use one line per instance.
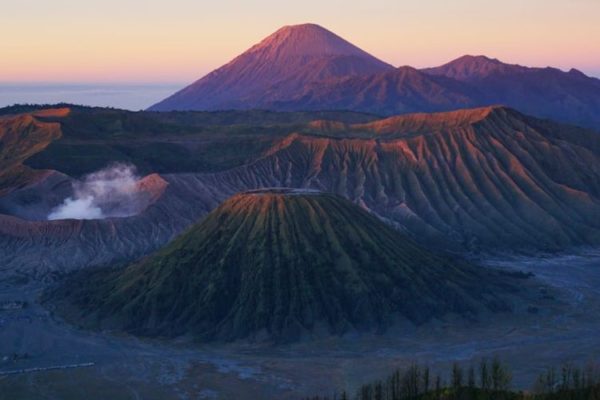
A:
(110, 192)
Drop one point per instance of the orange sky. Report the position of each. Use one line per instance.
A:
(181, 40)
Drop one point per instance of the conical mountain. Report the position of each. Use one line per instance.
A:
(306, 67)
(279, 264)
(277, 67)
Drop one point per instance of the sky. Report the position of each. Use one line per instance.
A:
(178, 41)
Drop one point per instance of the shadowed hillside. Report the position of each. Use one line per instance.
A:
(470, 180)
(279, 264)
(545, 92)
(90, 138)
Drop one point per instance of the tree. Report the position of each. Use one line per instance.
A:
(552, 380)
(410, 382)
(365, 393)
(471, 377)
(426, 379)
(438, 383)
(576, 378)
(484, 375)
(457, 376)
(501, 376)
(591, 375)
(378, 392)
(396, 385)
(566, 374)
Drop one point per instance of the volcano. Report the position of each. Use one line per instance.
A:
(276, 68)
(478, 180)
(279, 264)
(306, 67)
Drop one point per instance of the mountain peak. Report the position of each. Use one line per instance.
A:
(469, 67)
(478, 59)
(308, 26)
(283, 63)
(577, 73)
(305, 40)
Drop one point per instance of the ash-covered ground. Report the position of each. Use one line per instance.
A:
(43, 357)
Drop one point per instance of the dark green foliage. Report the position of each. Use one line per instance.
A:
(471, 377)
(279, 265)
(501, 376)
(426, 382)
(93, 137)
(413, 383)
(568, 379)
(569, 383)
(457, 376)
(485, 380)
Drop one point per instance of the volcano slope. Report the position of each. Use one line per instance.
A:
(22, 136)
(276, 68)
(488, 179)
(44, 150)
(277, 264)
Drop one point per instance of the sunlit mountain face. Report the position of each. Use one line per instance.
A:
(306, 67)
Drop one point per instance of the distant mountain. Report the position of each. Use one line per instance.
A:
(474, 68)
(277, 67)
(397, 91)
(306, 67)
(545, 92)
(280, 264)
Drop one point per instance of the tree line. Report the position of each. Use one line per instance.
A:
(487, 380)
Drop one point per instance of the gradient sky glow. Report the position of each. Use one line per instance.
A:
(181, 40)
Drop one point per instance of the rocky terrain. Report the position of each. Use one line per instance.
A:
(487, 179)
(77, 141)
(21, 137)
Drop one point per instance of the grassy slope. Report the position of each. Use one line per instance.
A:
(167, 142)
(282, 265)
